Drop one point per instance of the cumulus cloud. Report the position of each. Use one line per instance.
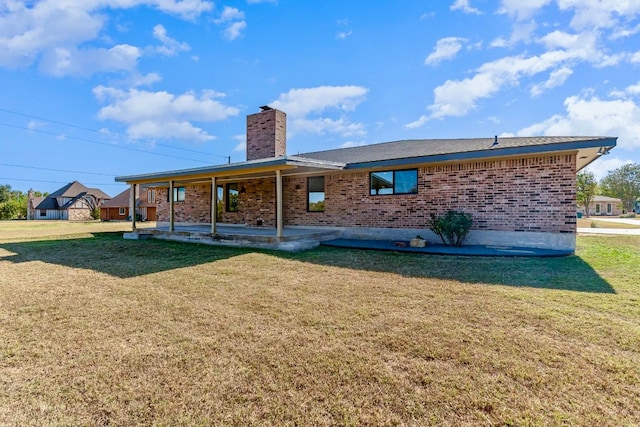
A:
(589, 14)
(307, 109)
(464, 6)
(170, 46)
(232, 20)
(57, 32)
(83, 62)
(459, 97)
(556, 78)
(593, 116)
(522, 10)
(446, 48)
(162, 115)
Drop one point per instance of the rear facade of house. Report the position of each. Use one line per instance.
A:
(519, 191)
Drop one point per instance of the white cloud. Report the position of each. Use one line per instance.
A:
(459, 97)
(590, 14)
(343, 34)
(593, 117)
(241, 146)
(556, 78)
(84, 62)
(446, 48)
(162, 114)
(301, 104)
(169, 46)
(349, 144)
(464, 6)
(604, 164)
(522, 9)
(58, 31)
(233, 19)
(320, 126)
(635, 58)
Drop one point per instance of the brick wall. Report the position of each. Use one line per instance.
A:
(530, 194)
(196, 208)
(527, 194)
(266, 134)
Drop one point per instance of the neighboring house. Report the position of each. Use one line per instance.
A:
(117, 209)
(73, 202)
(603, 205)
(521, 191)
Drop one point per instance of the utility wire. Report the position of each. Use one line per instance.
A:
(53, 182)
(55, 170)
(103, 143)
(109, 133)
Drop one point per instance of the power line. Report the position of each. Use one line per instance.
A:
(102, 143)
(55, 170)
(54, 182)
(109, 133)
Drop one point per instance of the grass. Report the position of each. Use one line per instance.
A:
(96, 330)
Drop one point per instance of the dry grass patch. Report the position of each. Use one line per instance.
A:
(98, 331)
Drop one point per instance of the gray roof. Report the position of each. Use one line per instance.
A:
(462, 148)
(73, 190)
(400, 153)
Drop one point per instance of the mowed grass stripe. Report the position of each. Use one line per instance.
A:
(96, 330)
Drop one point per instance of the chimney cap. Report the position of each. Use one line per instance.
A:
(265, 108)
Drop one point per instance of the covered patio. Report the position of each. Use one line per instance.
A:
(290, 239)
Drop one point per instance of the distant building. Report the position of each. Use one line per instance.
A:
(603, 206)
(73, 202)
(117, 209)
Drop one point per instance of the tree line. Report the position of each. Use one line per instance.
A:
(622, 183)
(13, 203)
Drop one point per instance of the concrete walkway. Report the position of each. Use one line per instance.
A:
(439, 249)
(630, 221)
(598, 230)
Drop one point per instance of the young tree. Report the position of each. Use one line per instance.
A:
(623, 183)
(586, 187)
(13, 204)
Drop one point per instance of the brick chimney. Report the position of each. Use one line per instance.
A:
(266, 134)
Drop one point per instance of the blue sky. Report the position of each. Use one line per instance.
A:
(94, 89)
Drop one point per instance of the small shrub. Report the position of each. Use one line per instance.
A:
(452, 227)
(594, 224)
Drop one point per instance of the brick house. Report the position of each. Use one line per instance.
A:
(117, 209)
(73, 202)
(520, 191)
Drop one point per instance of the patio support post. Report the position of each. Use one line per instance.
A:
(172, 218)
(214, 204)
(279, 203)
(132, 206)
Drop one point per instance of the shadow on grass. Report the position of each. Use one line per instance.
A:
(109, 253)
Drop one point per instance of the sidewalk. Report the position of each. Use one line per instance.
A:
(598, 230)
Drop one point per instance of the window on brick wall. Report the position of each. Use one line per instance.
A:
(179, 194)
(597, 208)
(315, 194)
(121, 211)
(609, 208)
(232, 197)
(394, 182)
(151, 196)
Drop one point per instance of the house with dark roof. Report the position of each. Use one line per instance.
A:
(520, 191)
(117, 209)
(73, 202)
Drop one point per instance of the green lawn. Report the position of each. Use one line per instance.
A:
(96, 330)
